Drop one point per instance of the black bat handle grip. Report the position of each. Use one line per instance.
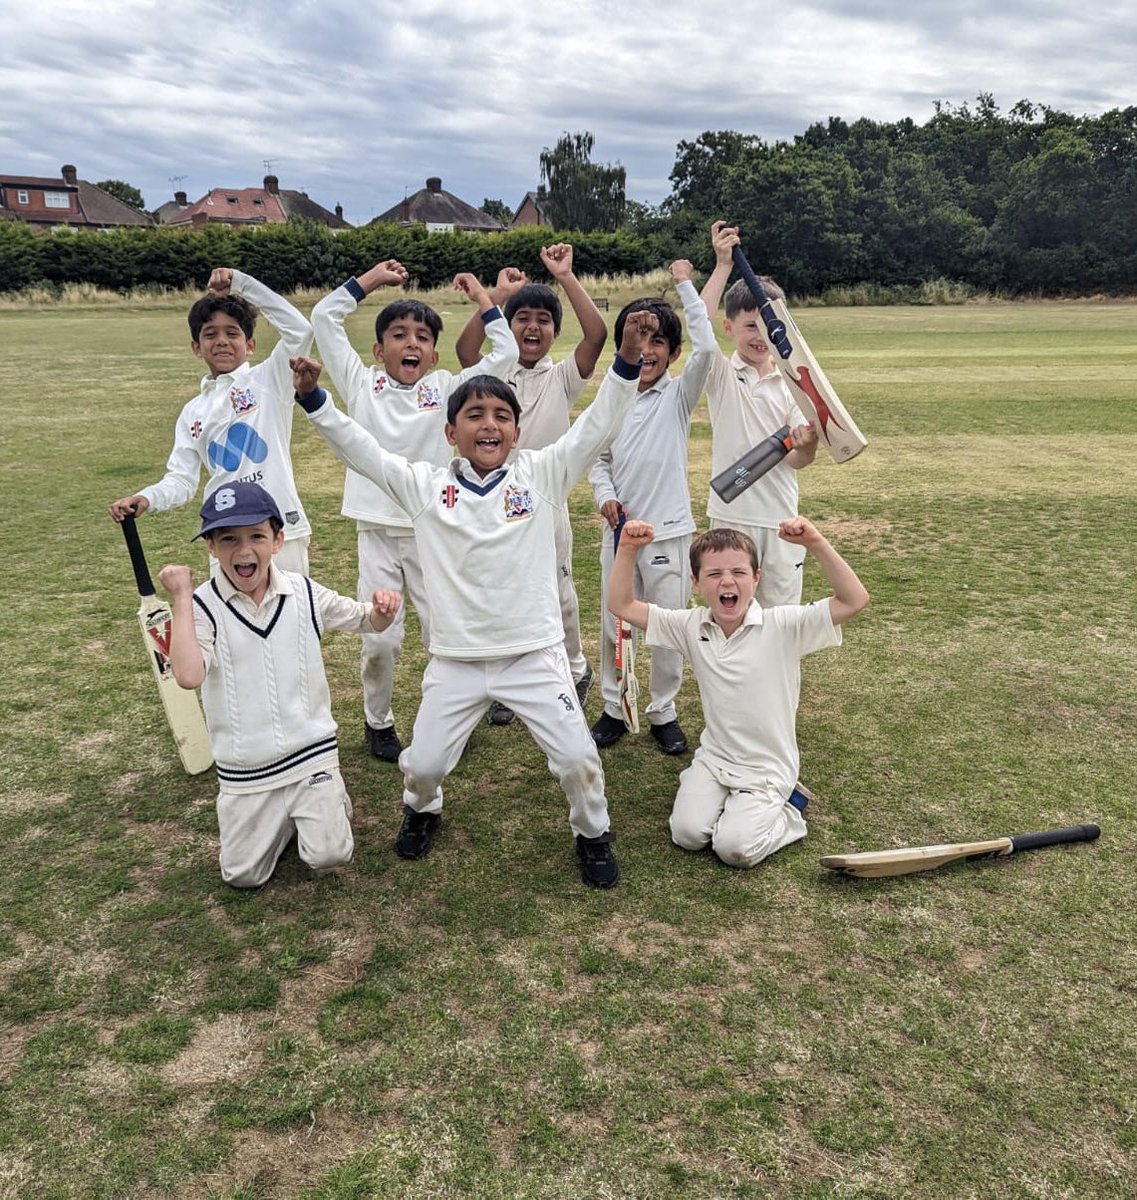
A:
(1051, 837)
(775, 328)
(137, 558)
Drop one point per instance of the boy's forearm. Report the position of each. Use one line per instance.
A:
(622, 600)
(293, 327)
(503, 352)
(185, 650)
(849, 594)
(341, 360)
(468, 347)
(713, 289)
(594, 332)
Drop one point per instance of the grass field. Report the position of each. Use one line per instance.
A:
(480, 1024)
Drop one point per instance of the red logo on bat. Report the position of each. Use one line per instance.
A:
(804, 381)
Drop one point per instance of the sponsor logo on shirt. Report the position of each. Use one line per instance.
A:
(243, 400)
(380, 384)
(241, 441)
(429, 397)
(449, 496)
(518, 503)
(195, 430)
(319, 778)
(292, 518)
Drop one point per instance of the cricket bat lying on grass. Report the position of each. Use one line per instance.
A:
(183, 711)
(876, 864)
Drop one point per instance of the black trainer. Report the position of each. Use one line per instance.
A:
(671, 738)
(383, 743)
(499, 714)
(608, 730)
(584, 686)
(598, 866)
(416, 837)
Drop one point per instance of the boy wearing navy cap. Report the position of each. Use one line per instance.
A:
(250, 639)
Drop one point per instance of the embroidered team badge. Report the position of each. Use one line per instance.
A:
(449, 496)
(243, 400)
(380, 384)
(428, 397)
(195, 430)
(518, 503)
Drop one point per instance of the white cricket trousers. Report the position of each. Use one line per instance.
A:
(387, 560)
(662, 576)
(742, 824)
(538, 687)
(781, 564)
(566, 591)
(256, 827)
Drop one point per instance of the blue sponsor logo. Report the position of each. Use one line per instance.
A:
(241, 441)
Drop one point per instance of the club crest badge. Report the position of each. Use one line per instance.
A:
(449, 496)
(195, 430)
(380, 384)
(429, 398)
(242, 399)
(518, 503)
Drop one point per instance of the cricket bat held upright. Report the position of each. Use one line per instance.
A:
(836, 429)
(183, 710)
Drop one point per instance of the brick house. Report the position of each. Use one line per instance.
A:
(266, 205)
(439, 211)
(530, 211)
(47, 202)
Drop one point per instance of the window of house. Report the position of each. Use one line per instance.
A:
(56, 200)
(231, 199)
(258, 200)
(21, 197)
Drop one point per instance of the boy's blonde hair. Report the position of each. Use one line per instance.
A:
(722, 539)
(739, 298)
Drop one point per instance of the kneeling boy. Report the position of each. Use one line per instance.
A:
(250, 639)
(738, 795)
(485, 529)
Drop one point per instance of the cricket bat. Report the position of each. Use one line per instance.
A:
(836, 429)
(183, 710)
(626, 681)
(876, 864)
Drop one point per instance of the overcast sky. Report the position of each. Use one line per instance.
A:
(358, 101)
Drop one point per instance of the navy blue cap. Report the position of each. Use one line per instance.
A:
(237, 504)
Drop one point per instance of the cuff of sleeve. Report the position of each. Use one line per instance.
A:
(491, 314)
(357, 293)
(625, 369)
(313, 402)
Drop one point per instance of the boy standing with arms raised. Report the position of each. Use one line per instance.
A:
(250, 639)
(485, 530)
(546, 392)
(401, 399)
(738, 795)
(644, 475)
(748, 400)
(240, 426)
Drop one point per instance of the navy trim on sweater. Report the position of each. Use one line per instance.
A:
(281, 766)
(482, 489)
(357, 292)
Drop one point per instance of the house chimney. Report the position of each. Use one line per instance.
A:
(406, 210)
(69, 174)
(339, 212)
(434, 184)
(180, 199)
(272, 185)
(199, 220)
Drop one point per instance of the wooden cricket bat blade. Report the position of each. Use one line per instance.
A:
(878, 864)
(181, 706)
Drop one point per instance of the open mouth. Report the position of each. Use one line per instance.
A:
(728, 601)
(245, 570)
(488, 443)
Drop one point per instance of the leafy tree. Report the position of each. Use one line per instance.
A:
(578, 193)
(499, 210)
(125, 192)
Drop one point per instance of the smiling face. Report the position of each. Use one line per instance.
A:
(657, 358)
(727, 581)
(222, 344)
(535, 331)
(244, 553)
(485, 431)
(407, 350)
(748, 331)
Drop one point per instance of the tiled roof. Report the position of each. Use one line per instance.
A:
(242, 205)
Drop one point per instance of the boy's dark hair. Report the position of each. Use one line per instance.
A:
(415, 309)
(244, 313)
(481, 385)
(535, 295)
(666, 316)
(275, 523)
(739, 298)
(721, 539)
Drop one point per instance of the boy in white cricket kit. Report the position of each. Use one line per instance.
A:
(240, 426)
(738, 795)
(748, 400)
(546, 392)
(401, 399)
(644, 475)
(485, 530)
(250, 639)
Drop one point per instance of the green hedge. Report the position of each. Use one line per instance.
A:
(299, 254)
